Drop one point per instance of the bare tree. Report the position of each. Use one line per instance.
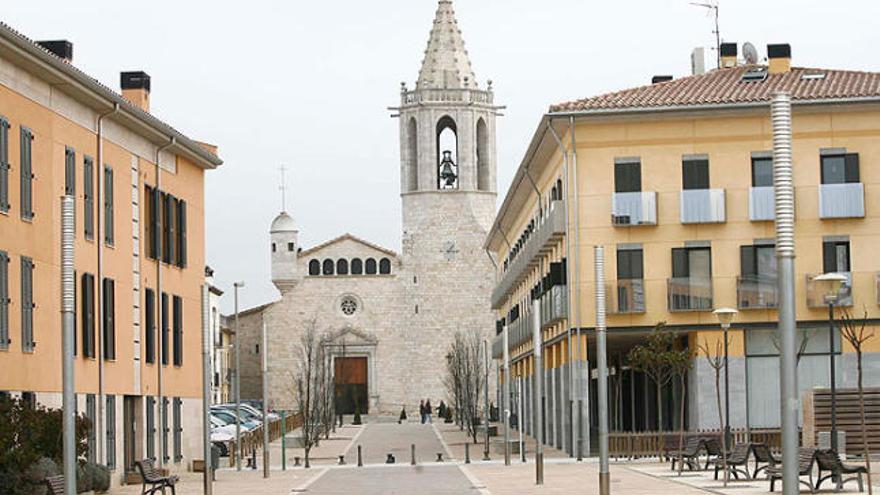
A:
(465, 375)
(652, 359)
(856, 333)
(716, 361)
(681, 363)
(309, 379)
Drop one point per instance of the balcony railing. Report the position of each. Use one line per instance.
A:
(842, 200)
(549, 229)
(762, 204)
(554, 305)
(816, 294)
(439, 95)
(634, 208)
(626, 296)
(519, 332)
(702, 206)
(689, 294)
(756, 292)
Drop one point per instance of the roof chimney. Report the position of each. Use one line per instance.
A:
(660, 79)
(62, 49)
(728, 55)
(698, 61)
(136, 89)
(780, 58)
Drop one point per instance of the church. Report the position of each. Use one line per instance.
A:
(389, 318)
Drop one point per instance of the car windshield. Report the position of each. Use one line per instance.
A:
(224, 416)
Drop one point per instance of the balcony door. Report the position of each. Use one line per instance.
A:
(835, 256)
(692, 278)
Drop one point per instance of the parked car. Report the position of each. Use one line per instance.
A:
(254, 411)
(229, 418)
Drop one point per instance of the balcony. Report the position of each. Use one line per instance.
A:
(518, 333)
(689, 294)
(626, 297)
(756, 293)
(554, 305)
(634, 208)
(762, 204)
(816, 298)
(702, 206)
(548, 231)
(842, 200)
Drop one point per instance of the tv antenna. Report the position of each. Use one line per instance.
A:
(283, 188)
(712, 8)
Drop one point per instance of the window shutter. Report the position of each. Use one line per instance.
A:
(69, 171)
(89, 198)
(178, 429)
(109, 235)
(164, 330)
(109, 310)
(181, 234)
(27, 305)
(695, 174)
(627, 177)
(680, 263)
(150, 320)
(178, 330)
(851, 167)
(151, 428)
(4, 300)
(829, 257)
(26, 174)
(747, 261)
(111, 431)
(4, 165)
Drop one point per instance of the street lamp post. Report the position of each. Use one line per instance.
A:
(725, 316)
(237, 383)
(832, 283)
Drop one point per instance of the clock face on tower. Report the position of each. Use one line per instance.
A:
(449, 250)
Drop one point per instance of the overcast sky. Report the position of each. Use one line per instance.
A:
(307, 85)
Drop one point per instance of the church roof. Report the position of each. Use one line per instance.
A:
(446, 64)
(283, 223)
(345, 237)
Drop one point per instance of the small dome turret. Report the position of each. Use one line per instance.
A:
(283, 223)
(285, 245)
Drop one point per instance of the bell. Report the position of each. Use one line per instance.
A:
(447, 174)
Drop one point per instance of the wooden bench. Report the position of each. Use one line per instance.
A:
(827, 460)
(806, 458)
(55, 484)
(152, 477)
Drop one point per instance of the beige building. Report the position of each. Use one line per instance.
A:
(674, 180)
(139, 253)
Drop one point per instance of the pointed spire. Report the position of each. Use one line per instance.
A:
(446, 64)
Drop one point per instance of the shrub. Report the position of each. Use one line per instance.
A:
(37, 473)
(98, 476)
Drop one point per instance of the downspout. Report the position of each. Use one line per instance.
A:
(577, 281)
(99, 245)
(571, 366)
(163, 416)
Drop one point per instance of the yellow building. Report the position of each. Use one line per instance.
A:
(139, 253)
(674, 180)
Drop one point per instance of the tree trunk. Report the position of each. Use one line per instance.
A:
(721, 426)
(659, 421)
(681, 426)
(308, 449)
(862, 415)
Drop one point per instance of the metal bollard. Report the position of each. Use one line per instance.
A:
(360, 457)
(439, 456)
(412, 449)
(467, 453)
(390, 459)
(283, 441)
(342, 460)
(296, 460)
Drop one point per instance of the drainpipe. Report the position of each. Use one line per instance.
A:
(99, 245)
(160, 336)
(571, 362)
(585, 374)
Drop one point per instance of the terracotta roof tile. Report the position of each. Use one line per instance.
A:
(726, 86)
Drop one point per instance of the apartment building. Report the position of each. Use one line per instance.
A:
(139, 253)
(674, 179)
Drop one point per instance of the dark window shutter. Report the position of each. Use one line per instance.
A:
(171, 218)
(315, 267)
(328, 267)
(109, 234)
(181, 233)
(371, 266)
(385, 266)
(163, 336)
(178, 330)
(27, 304)
(695, 174)
(150, 325)
(829, 257)
(27, 211)
(4, 300)
(748, 261)
(357, 266)
(342, 266)
(109, 310)
(88, 198)
(111, 431)
(4, 165)
(627, 177)
(680, 263)
(69, 171)
(87, 315)
(851, 167)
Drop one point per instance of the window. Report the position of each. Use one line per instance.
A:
(484, 179)
(91, 415)
(87, 291)
(627, 175)
(342, 266)
(314, 268)
(758, 262)
(842, 168)
(273, 247)
(630, 264)
(835, 256)
(150, 328)
(447, 154)
(178, 430)
(181, 233)
(111, 432)
(4, 165)
(164, 333)
(371, 266)
(4, 300)
(27, 305)
(69, 171)
(695, 173)
(762, 172)
(88, 198)
(412, 139)
(328, 267)
(290, 247)
(29, 399)
(164, 420)
(153, 223)
(27, 176)
(151, 428)
(357, 266)
(385, 266)
(692, 262)
(109, 234)
(108, 308)
(348, 305)
(177, 306)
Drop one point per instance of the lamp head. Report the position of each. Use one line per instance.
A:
(725, 315)
(831, 283)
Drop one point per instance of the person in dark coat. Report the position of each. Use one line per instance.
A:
(441, 410)
(422, 414)
(428, 410)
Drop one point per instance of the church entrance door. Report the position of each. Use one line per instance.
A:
(351, 385)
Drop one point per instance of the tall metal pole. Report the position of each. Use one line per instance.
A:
(237, 383)
(519, 417)
(264, 350)
(602, 364)
(68, 394)
(833, 376)
(727, 438)
(505, 394)
(780, 110)
(538, 378)
(206, 391)
(486, 387)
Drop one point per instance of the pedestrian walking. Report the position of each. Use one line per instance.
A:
(441, 409)
(428, 410)
(422, 413)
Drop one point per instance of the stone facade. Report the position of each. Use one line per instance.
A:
(404, 316)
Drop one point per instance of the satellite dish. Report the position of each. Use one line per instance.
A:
(750, 53)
